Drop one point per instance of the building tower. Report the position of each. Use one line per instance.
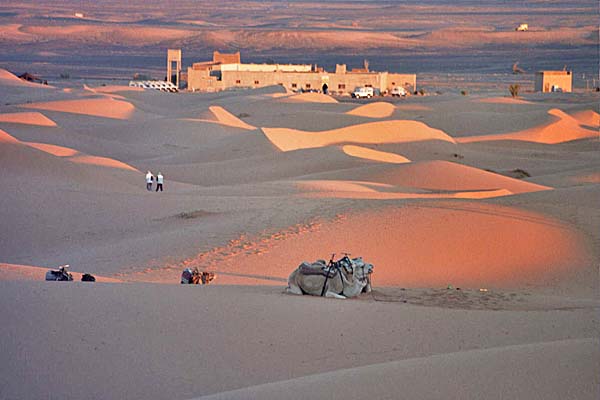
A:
(173, 56)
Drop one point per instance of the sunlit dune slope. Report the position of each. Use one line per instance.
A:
(97, 107)
(226, 118)
(27, 118)
(372, 133)
(374, 155)
(565, 128)
(433, 244)
(378, 191)
(588, 117)
(66, 153)
(8, 79)
(373, 110)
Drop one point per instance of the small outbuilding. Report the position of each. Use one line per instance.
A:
(554, 81)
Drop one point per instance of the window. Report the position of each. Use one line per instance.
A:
(368, 85)
(393, 83)
(294, 85)
(308, 85)
(237, 82)
(256, 82)
(342, 86)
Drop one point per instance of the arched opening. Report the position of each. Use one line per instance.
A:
(325, 88)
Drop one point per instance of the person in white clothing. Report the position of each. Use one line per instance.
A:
(149, 179)
(159, 182)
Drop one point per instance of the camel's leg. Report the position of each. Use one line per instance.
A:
(334, 295)
(293, 289)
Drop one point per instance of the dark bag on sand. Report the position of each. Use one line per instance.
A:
(88, 278)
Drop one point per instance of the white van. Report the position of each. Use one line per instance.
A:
(363, 92)
(398, 91)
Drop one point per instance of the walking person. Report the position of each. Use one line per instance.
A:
(159, 182)
(149, 179)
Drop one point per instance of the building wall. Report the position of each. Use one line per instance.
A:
(545, 80)
(201, 80)
(338, 83)
(267, 67)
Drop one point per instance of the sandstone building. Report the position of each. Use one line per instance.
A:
(226, 71)
(552, 81)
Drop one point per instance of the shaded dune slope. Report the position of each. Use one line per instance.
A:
(413, 378)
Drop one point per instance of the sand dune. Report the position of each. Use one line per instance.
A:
(373, 110)
(449, 176)
(69, 154)
(503, 100)
(15, 272)
(100, 161)
(588, 117)
(7, 138)
(236, 205)
(565, 128)
(9, 79)
(114, 89)
(430, 244)
(224, 117)
(374, 133)
(309, 98)
(97, 107)
(412, 107)
(372, 191)
(59, 151)
(124, 35)
(374, 155)
(441, 374)
(27, 118)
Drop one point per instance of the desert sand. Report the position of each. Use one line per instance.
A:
(483, 233)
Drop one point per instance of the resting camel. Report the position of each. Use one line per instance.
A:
(342, 279)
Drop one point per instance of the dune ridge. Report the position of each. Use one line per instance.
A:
(309, 98)
(27, 118)
(565, 128)
(380, 132)
(369, 190)
(373, 110)
(9, 79)
(5, 137)
(588, 117)
(105, 107)
(224, 117)
(67, 153)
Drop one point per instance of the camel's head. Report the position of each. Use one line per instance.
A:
(361, 269)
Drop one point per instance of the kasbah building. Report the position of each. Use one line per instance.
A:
(226, 71)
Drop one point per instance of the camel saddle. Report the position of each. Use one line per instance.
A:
(317, 269)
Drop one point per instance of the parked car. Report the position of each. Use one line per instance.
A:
(363, 92)
(398, 91)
